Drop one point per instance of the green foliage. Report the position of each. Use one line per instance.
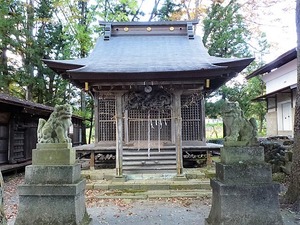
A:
(168, 9)
(225, 33)
(118, 11)
(11, 17)
(213, 109)
(31, 32)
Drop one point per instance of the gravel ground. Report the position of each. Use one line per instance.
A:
(152, 212)
(172, 211)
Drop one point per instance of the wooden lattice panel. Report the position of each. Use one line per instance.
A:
(107, 126)
(191, 120)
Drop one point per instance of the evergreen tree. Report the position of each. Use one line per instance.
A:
(50, 88)
(225, 34)
(168, 10)
(11, 17)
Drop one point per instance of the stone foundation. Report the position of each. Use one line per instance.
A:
(243, 191)
(54, 193)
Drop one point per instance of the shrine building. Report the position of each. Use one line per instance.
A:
(149, 81)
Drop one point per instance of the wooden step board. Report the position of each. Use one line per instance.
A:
(135, 161)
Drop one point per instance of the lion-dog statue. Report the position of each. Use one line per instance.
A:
(239, 130)
(55, 130)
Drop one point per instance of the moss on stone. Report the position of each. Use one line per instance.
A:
(278, 177)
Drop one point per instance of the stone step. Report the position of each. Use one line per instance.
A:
(148, 163)
(143, 153)
(150, 167)
(143, 160)
(151, 176)
(146, 158)
(165, 169)
(109, 174)
(153, 194)
(151, 150)
(146, 185)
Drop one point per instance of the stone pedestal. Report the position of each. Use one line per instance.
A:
(243, 191)
(53, 192)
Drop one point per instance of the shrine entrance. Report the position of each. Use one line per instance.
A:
(150, 115)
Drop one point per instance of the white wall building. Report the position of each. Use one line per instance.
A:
(280, 77)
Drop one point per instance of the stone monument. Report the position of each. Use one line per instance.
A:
(53, 192)
(243, 191)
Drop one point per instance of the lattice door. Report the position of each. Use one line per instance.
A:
(149, 125)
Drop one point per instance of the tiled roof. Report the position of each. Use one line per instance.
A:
(142, 54)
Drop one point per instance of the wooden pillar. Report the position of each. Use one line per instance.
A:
(119, 135)
(178, 131)
(96, 113)
(126, 127)
(203, 133)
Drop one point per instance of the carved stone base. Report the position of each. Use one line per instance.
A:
(53, 192)
(243, 191)
(244, 204)
(52, 204)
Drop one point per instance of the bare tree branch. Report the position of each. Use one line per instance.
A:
(138, 11)
(154, 10)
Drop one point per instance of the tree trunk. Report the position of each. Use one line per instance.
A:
(293, 194)
(83, 22)
(29, 43)
(4, 70)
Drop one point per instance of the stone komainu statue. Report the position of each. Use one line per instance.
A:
(237, 127)
(55, 130)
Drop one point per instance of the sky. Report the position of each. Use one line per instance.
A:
(281, 34)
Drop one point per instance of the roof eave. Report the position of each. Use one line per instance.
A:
(281, 60)
(237, 65)
(134, 75)
(217, 77)
(60, 65)
(273, 94)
